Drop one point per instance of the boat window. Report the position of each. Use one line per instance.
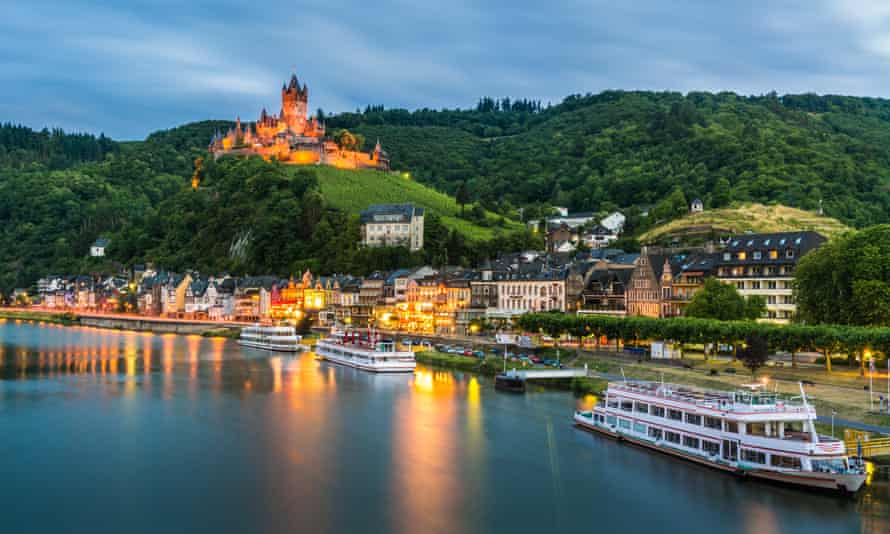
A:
(624, 423)
(673, 437)
(613, 403)
(732, 426)
(639, 428)
(713, 422)
(690, 442)
(654, 432)
(755, 457)
(710, 447)
(657, 411)
(836, 465)
(676, 415)
(785, 462)
(642, 407)
(611, 419)
(756, 429)
(693, 419)
(627, 406)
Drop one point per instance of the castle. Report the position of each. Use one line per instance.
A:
(294, 137)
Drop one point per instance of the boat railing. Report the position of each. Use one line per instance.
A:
(728, 401)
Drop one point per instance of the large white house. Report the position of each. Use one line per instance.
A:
(392, 225)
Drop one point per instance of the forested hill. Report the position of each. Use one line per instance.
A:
(616, 148)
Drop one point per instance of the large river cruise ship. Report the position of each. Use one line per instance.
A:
(751, 432)
(269, 337)
(366, 350)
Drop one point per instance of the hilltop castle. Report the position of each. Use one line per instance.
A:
(294, 137)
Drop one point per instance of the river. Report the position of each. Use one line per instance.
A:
(108, 431)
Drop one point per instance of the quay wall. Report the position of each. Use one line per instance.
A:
(143, 324)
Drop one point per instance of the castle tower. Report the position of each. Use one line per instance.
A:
(294, 101)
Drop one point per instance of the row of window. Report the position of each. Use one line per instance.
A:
(772, 254)
(674, 415)
(709, 447)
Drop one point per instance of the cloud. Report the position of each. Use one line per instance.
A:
(130, 67)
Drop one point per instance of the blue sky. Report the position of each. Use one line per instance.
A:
(130, 67)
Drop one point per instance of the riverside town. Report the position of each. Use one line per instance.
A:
(472, 270)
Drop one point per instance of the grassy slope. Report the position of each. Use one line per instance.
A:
(353, 191)
(754, 217)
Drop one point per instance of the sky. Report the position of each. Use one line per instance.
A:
(130, 67)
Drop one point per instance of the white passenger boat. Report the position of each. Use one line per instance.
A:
(269, 337)
(751, 433)
(365, 350)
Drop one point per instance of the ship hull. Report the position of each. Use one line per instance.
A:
(844, 483)
(270, 346)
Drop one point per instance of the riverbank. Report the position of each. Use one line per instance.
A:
(135, 323)
(490, 366)
(67, 319)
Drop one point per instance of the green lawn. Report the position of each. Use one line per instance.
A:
(353, 191)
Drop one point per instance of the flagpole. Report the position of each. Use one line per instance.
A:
(871, 378)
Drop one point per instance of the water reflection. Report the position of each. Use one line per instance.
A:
(234, 440)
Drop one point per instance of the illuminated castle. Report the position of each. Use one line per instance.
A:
(294, 137)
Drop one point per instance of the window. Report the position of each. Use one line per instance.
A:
(755, 284)
(689, 441)
(627, 406)
(657, 411)
(727, 256)
(612, 403)
(624, 423)
(611, 419)
(642, 407)
(693, 419)
(676, 415)
(732, 426)
(755, 457)
(713, 422)
(785, 462)
(710, 447)
(773, 254)
(756, 254)
(639, 428)
(672, 437)
(654, 433)
(742, 255)
(756, 429)
(789, 253)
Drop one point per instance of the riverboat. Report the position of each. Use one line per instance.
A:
(752, 433)
(269, 337)
(366, 350)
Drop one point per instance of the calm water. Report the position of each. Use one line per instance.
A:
(104, 431)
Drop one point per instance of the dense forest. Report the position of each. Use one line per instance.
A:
(639, 151)
(622, 149)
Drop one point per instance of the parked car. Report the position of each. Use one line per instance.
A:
(549, 362)
(468, 352)
(535, 359)
(478, 354)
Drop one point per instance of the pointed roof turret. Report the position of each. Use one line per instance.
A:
(294, 82)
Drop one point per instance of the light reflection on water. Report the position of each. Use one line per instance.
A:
(183, 433)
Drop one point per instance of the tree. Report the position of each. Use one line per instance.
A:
(462, 196)
(721, 195)
(716, 300)
(755, 353)
(846, 281)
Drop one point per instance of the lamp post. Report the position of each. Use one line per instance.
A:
(833, 413)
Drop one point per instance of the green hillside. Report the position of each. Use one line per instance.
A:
(353, 191)
(743, 218)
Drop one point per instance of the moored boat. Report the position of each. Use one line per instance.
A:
(270, 337)
(366, 350)
(751, 433)
(509, 382)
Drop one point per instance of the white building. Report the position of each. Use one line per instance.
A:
(614, 222)
(97, 249)
(391, 225)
